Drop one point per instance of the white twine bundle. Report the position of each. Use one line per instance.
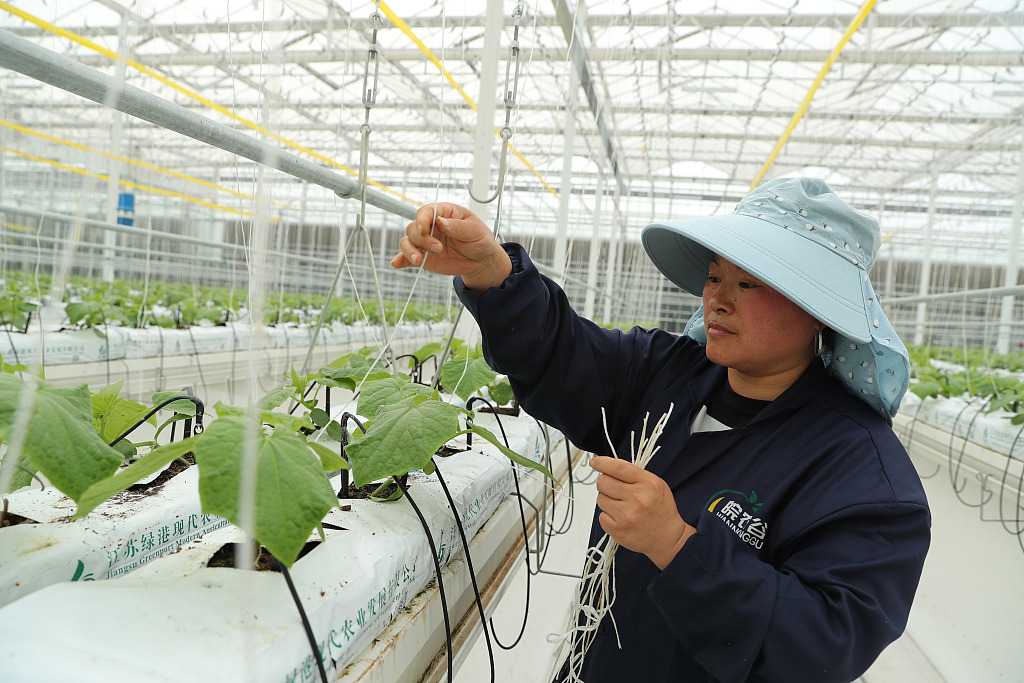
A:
(595, 593)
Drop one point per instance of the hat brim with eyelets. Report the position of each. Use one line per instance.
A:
(819, 280)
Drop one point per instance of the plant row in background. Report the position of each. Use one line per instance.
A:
(92, 303)
(974, 373)
(287, 441)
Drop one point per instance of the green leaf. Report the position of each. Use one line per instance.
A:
(341, 361)
(225, 410)
(319, 417)
(510, 454)
(387, 390)
(177, 417)
(458, 349)
(183, 407)
(275, 397)
(291, 495)
(926, 389)
(330, 460)
(403, 437)
(11, 369)
(298, 383)
(393, 496)
(426, 351)
(464, 376)
(22, 477)
(126, 448)
(293, 423)
(150, 463)
(61, 442)
(501, 392)
(85, 313)
(348, 378)
(116, 414)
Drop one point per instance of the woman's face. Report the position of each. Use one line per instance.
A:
(754, 330)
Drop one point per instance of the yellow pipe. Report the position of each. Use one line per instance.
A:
(128, 183)
(64, 33)
(134, 162)
(404, 27)
(802, 109)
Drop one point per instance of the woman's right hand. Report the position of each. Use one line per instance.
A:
(454, 242)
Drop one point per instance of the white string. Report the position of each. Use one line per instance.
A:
(595, 593)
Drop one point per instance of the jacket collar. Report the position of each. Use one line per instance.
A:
(814, 380)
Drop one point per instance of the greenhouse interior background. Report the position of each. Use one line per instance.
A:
(174, 171)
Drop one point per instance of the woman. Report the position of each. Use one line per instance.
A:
(780, 532)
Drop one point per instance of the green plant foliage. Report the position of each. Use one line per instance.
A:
(85, 313)
(405, 435)
(182, 410)
(112, 415)
(331, 461)
(465, 376)
(348, 378)
(292, 423)
(184, 407)
(501, 392)
(291, 495)
(379, 392)
(980, 377)
(60, 441)
(424, 352)
(93, 303)
(11, 369)
(15, 309)
(149, 464)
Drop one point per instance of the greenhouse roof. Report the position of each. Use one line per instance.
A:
(670, 100)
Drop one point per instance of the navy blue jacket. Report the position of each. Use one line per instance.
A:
(812, 524)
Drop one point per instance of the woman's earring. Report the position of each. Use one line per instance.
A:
(819, 344)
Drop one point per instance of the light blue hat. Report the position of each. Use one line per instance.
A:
(798, 237)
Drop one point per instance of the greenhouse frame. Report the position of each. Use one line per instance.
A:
(200, 203)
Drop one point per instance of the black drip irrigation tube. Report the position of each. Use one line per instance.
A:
(401, 483)
(184, 397)
(8, 324)
(472, 571)
(278, 565)
(522, 519)
(437, 569)
(416, 374)
(344, 474)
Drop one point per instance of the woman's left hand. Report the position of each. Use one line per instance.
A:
(639, 511)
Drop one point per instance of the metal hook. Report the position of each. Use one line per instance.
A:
(506, 133)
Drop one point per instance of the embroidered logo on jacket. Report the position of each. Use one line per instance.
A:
(738, 511)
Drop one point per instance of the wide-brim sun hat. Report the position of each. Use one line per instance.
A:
(797, 236)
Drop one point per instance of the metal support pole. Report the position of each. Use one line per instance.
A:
(595, 248)
(114, 164)
(565, 187)
(890, 266)
(1012, 262)
(483, 136)
(29, 59)
(926, 265)
(613, 249)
